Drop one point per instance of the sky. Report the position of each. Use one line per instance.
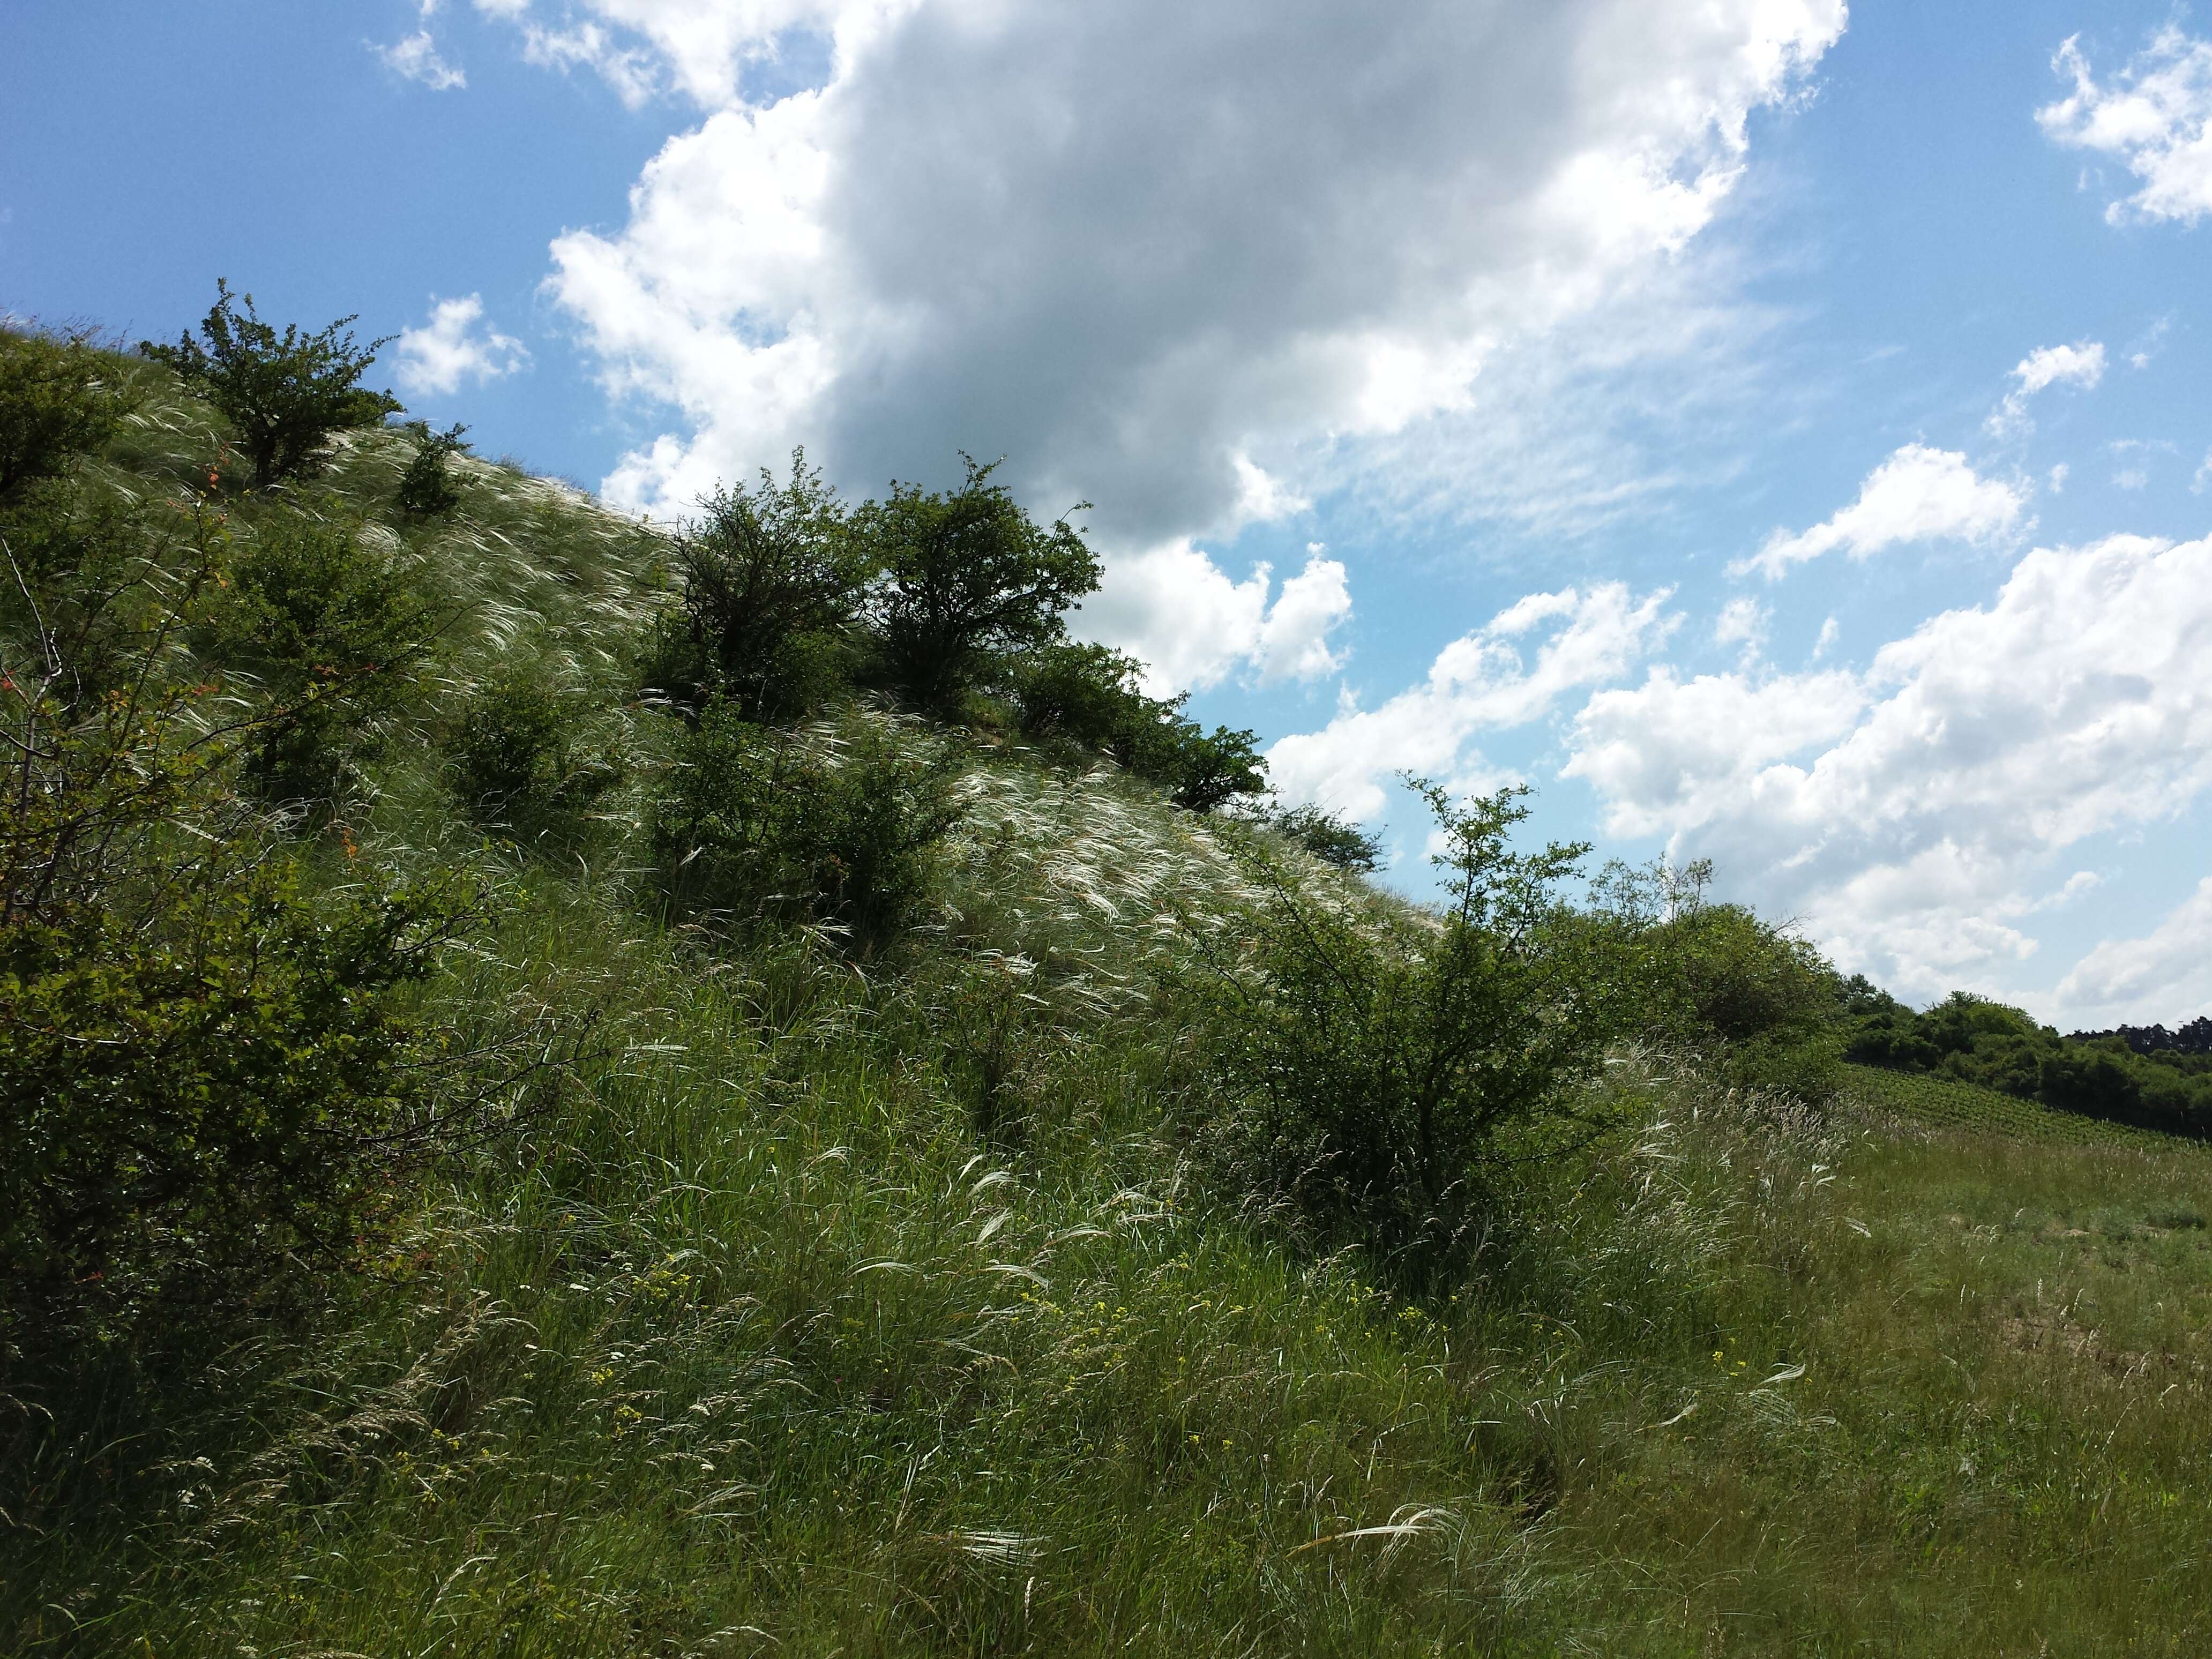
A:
(1773, 431)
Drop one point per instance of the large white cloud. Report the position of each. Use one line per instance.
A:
(1178, 260)
(1917, 494)
(1911, 813)
(2154, 117)
(1481, 681)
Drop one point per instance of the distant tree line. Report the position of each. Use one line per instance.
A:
(2136, 1074)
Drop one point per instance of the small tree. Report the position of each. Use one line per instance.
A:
(771, 580)
(285, 393)
(1380, 1053)
(965, 576)
(426, 488)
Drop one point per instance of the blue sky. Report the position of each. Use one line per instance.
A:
(1776, 433)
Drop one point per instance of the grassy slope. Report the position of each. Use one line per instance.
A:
(762, 1346)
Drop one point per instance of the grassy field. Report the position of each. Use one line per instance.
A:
(877, 1308)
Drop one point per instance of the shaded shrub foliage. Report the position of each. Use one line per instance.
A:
(325, 625)
(58, 400)
(522, 758)
(427, 487)
(838, 827)
(771, 579)
(206, 1074)
(1089, 699)
(965, 577)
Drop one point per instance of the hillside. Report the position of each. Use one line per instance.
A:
(816, 1283)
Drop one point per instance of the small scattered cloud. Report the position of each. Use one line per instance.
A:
(2135, 455)
(2203, 480)
(1917, 494)
(450, 351)
(1743, 621)
(2081, 364)
(2154, 116)
(417, 58)
(2148, 345)
(1830, 633)
(2059, 474)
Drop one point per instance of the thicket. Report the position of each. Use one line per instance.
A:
(1974, 1040)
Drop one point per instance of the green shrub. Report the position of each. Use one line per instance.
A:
(771, 579)
(205, 1075)
(328, 627)
(426, 488)
(1377, 1055)
(1762, 1004)
(1089, 698)
(1331, 839)
(967, 578)
(58, 400)
(521, 758)
(766, 825)
(284, 394)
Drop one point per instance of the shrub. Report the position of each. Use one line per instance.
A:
(966, 577)
(1763, 1004)
(285, 393)
(426, 488)
(1377, 1054)
(328, 626)
(771, 580)
(1090, 697)
(205, 1073)
(520, 758)
(57, 401)
(764, 825)
(1331, 839)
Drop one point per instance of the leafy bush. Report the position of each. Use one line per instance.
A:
(285, 393)
(1763, 1003)
(58, 400)
(205, 1074)
(426, 488)
(1377, 1054)
(771, 583)
(1331, 839)
(1089, 698)
(327, 626)
(966, 577)
(764, 825)
(521, 759)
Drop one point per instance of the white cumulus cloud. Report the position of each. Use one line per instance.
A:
(1481, 681)
(2081, 364)
(451, 350)
(2169, 968)
(2154, 117)
(1908, 813)
(1917, 494)
(1193, 626)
